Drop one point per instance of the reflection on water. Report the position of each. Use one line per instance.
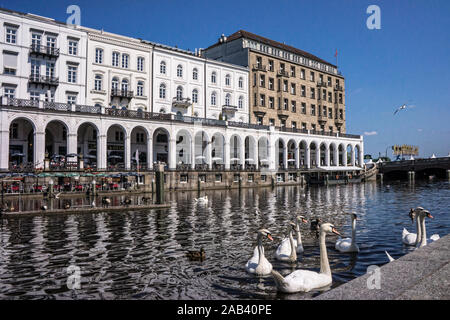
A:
(142, 254)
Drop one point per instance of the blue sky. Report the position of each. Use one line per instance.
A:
(406, 61)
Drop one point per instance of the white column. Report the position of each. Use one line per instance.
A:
(344, 157)
(4, 154)
(308, 156)
(327, 156)
(208, 155)
(102, 152)
(127, 152)
(297, 156)
(353, 156)
(271, 150)
(256, 155)
(149, 153)
(318, 156)
(39, 149)
(193, 153)
(242, 152)
(285, 155)
(226, 154)
(172, 153)
(72, 143)
(361, 156)
(336, 156)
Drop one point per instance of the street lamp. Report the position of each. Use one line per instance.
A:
(388, 148)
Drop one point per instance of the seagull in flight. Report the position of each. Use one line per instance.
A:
(401, 108)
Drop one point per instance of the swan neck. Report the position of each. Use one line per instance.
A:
(299, 236)
(324, 264)
(353, 231)
(260, 249)
(279, 279)
(418, 230)
(293, 255)
(423, 240)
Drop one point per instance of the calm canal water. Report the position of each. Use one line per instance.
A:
(142, 255)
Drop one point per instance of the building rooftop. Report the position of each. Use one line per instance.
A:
(273, 43)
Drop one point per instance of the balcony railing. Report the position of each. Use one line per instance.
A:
(295, 130)
(125, 113)
(352, 136)
(259, 67)
(44, 50)
(181, 102)
(283, 112)
(283, 73)
(338, 88)
(339, 121)
(15, 102)
(122, 93)
(44, 80)
(322, 117)
(322, 84)
(202, 121)
(247, 125)
(57, 106)
(88, 109)
(228, 108)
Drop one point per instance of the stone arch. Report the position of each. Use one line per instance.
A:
(218, 149)
(161, 137)
(183, 140)
(22, 141)
(250, 151)
(263, 152)
(138, 142)
(303, 148)
(202, 147)
(56, 138)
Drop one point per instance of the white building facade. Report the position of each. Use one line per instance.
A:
(117, 102)
(42, 59)
(186, 84)
(118, 71)
(43, 62)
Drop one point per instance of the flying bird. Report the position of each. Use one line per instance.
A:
(401, 108)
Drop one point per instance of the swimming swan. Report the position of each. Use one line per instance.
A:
(258, 264)
(285, 247)
(348, 244)
(305, 280)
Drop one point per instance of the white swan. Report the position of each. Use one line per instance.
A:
(258, 264)
(202, 199)
(305, 280)
(348, 244)
(287, 252)
(285, 246)
(423, 239)
(409, 238)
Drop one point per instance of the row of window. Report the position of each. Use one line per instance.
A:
(163, 70)
(283, 123)
(72, 70)
(195, 93)
(284, 86)
(284, 105)
(119, 59)
(124, 85)
(38, 38)
(292, 71)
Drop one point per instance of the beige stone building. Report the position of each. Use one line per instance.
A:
(288, 87)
